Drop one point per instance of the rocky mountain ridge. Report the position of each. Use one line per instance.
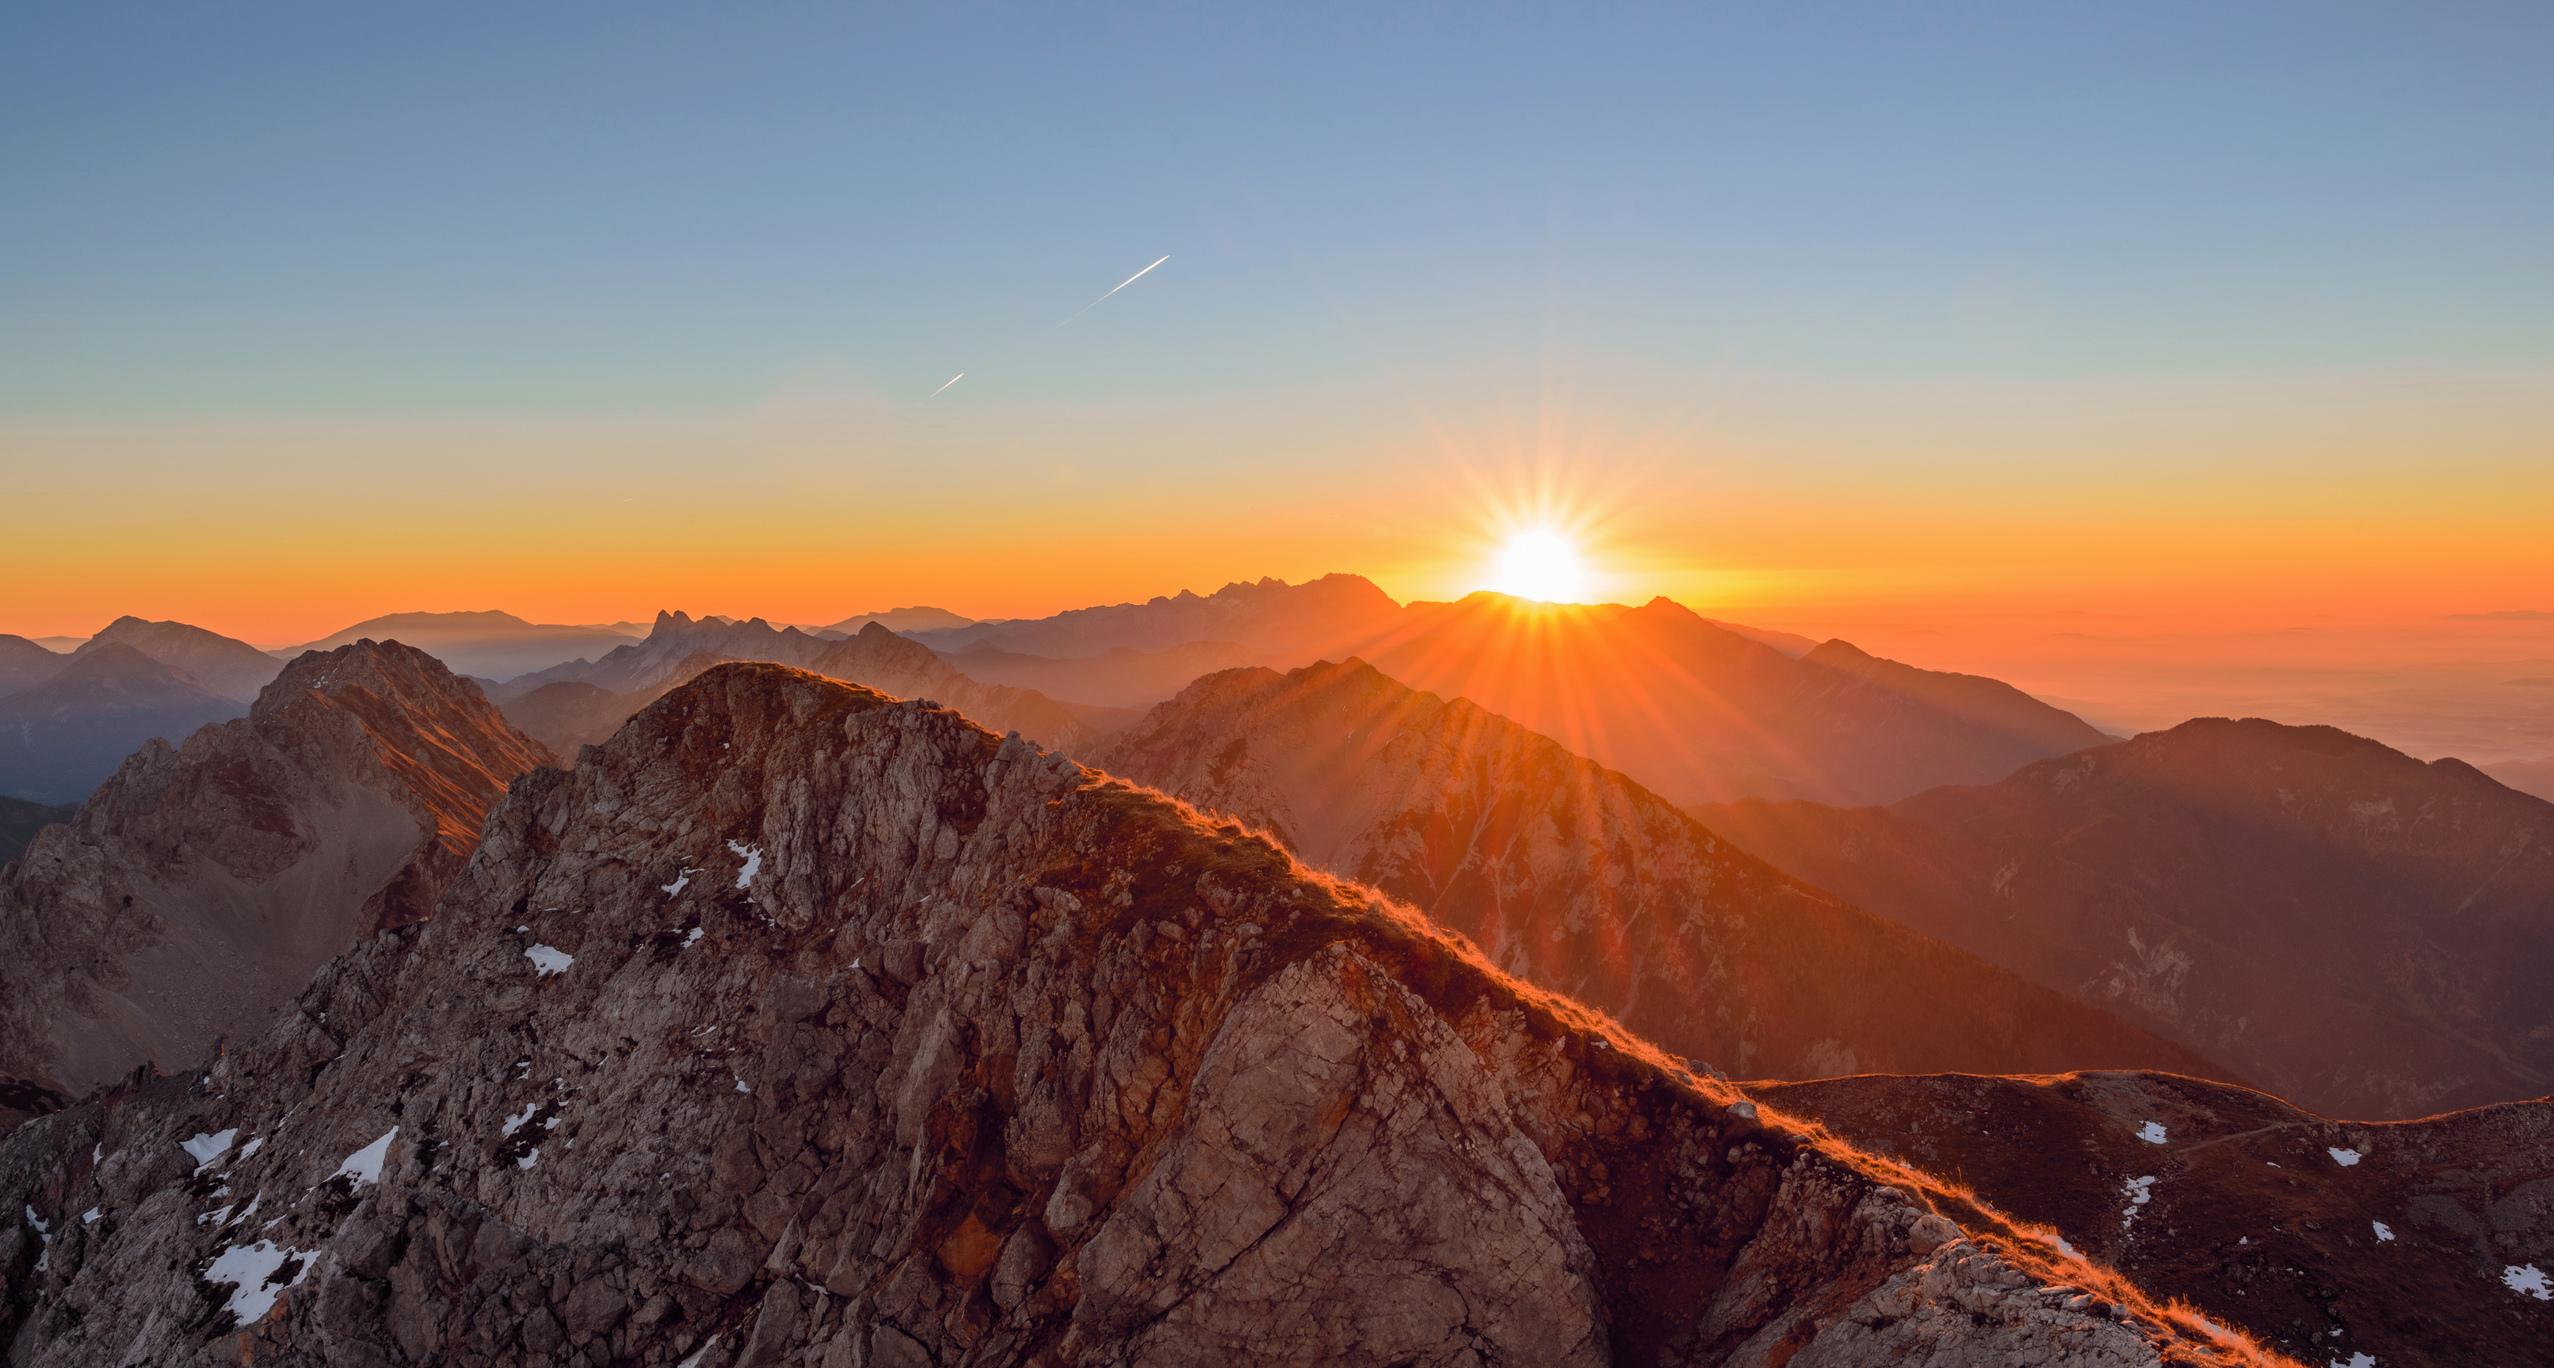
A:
(795, 1025)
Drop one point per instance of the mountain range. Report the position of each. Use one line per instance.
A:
(1574, 877)
(2355, 930)
(797, 1025)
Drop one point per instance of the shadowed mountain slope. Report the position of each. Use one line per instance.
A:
(2342, 924)
(1574, 877)
(798, 1026)
(2410, 1241)
(195, 892)
(59, 738)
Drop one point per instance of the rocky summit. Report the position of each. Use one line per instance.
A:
(194, 893)
(799, 1026)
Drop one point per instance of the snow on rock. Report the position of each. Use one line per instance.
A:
(515, 1122)
(208, 1148)
(256, 1276)
(695, 1360)
(90, 1216)
(682, 881)
(530, 1157)
(44, 1240)
(2139, 1192)
(2343, 1157)
(2528, 1281)
(2358, 1360)
(364, 1165)
(2152, 1132)
(254, 1144)
(2384, 1232)
(753, 856)
(693, 937)
(548, 959)
(740, 1086)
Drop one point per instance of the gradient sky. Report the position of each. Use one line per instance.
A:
(2233, 316)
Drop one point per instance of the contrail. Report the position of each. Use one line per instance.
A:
(944, 385)
(1139, 275)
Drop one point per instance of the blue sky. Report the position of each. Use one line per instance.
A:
(565, 207)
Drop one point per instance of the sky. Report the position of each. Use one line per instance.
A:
(1845, 318)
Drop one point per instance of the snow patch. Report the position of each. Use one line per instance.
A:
(90, 1216)
(2528, 1281)
(698, 1354)
(753, 856)
(682, 881)
(693, 937)
(2152, 1132)
(2343, 1157)
(252, 1272)
(2358, 1360)
(740, 1086)
(530, 1157)
(364, 1165)
(209, 1147)
(515, 1122)
(255, 1144)
(548, 960)
(2384, 1232)
(2139, 1192)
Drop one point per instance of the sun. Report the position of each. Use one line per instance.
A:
(1541, 563)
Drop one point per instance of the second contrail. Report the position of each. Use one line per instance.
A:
(945, 384)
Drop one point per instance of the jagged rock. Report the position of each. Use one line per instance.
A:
(194, 893)
(1139, 1089)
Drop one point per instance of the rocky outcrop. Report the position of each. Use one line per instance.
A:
(799, 1026)
(1574, 877)
(2356, 930)
(2411, 1242)
(194, 893)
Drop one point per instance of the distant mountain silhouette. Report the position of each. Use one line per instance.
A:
(582, 704)
(1270, 618)
(2527, 776)
(489, 644)
(225, 665)
(1570, 875)
(1121, 676)
(24, 664)
(1697, 712)
(2354, 929)
(2323, 1238)
(194, 893)
(914, 619)
(1694, 709)
(61, 737)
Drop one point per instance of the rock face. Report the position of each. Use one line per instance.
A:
(227, 666)
(798, 1026)
(2351, 928)
(1576, 878)
(2409, 1241)
(20, 820)
(60, 737)
(194, 893)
